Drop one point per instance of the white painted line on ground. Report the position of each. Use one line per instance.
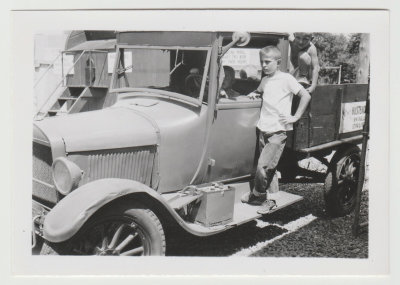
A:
(299, 223)
(290, 227)
(261, 224)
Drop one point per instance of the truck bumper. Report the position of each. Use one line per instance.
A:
(39, 212)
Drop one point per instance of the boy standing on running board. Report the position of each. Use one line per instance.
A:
(277, 89)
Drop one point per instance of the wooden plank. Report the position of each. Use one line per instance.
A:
(323, 129)
(324, 99)
(101, 69)
(350, 134)
(58, 104)
(340, 94)
(353, 140)
(79, 104)
(355, 93)
(324, 105)
(301, 130)
(290, 140)
(283, 46)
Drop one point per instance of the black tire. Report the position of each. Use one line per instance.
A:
(341, 182)
(288, 166)
(120, 223)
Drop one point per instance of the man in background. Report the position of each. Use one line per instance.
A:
(304, 58)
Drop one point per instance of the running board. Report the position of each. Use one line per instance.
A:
(242, 213)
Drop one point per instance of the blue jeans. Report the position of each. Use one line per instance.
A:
(271, 146)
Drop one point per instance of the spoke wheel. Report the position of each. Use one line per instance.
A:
(113, 238)
(341, 182)
(125, 231)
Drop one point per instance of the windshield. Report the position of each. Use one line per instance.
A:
(175, 70)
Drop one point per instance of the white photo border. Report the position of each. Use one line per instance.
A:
(25, 23)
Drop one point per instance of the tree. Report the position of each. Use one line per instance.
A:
(337, 50)
(363, 62)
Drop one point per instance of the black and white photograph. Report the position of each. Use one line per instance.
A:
(149, 134)
(203, 148)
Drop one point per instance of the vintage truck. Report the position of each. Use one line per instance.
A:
(170, 153)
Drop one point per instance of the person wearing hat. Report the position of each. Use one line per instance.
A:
(304, 58)
(226, 88)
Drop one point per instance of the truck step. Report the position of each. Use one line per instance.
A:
(245, 212)
(242, 212)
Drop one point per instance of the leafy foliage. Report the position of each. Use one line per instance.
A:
(336, 50)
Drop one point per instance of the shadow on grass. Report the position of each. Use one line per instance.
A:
(224, 244)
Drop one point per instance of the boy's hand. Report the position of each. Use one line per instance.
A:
(288, 119)
(311, 88)
(253, 95)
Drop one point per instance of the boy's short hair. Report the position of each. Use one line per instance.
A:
(273, 50)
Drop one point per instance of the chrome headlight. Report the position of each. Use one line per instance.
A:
(66, 175)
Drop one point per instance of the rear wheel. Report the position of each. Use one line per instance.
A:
(341, 182)
(125, 231)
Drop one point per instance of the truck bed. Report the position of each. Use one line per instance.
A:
(336, 113)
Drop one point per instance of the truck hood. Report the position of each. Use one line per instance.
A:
(104, 129)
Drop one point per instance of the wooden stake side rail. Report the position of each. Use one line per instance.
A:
(354, 140)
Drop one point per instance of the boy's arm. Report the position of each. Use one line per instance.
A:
(256, 93)
(315, 69)
(304, 100)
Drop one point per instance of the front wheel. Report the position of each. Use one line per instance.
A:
(126, 230)
(341, 182)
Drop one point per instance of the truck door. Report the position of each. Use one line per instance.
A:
(232, 146)
(233, 151)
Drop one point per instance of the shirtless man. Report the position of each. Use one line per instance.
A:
(303, 56)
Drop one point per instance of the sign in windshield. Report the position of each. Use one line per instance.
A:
(245, 62)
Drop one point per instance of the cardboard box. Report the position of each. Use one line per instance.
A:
(216, 206)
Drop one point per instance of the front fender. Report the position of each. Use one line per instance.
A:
(68, 216)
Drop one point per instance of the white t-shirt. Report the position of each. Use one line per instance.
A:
(277, 93)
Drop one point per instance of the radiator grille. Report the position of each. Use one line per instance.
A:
(134, 164)
(45, 193)
(42, 160)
